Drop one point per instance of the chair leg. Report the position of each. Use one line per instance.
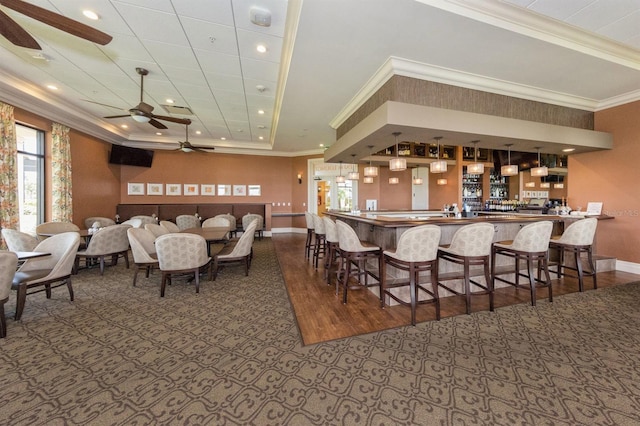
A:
(545, 266)
(101, 265)
(47, 290)
(413, 290)
(487, 278)
(436, 295)
(163, 284)
(135, 275)
(532, 281)
(70, 288)
(3, 321)
(21, 298)
(592, 266)
(467, 285)
(197, 279)
(576, 257)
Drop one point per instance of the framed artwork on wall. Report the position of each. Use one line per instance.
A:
(190, 189)
(154, 189)
(135, 189)
(239, 190)
(174, 189)
(254, 190)
(224, 190)
(207, 189)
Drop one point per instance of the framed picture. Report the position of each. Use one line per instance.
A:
(254, 190)
(190, 189)
(224, 190)
(207, 189)
(154, 189)
(174, 189)
(239, 190)
(135, 189)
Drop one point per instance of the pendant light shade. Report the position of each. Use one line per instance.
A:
(340, 178)
(368, 179)
(545, 185)
(417, 180)
(394, 181)
(475, 168)
(509, 169)
(539, 171)
(441, 181)
(397, 164)
(438, 166)
(353, 175)
(370, 171)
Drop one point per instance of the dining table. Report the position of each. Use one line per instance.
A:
(26, 255)
(211, 234)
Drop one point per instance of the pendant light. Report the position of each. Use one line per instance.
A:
(417, 180)
(475, 168)
(370, 171)
(509, 169)
(441, 181)
(394, 181)
(438, 166)
(397, 164)
(540, 170)
(354, 175)
(340, 178)
(368, 179)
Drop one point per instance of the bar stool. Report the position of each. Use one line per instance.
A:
(354, 251)
(333, 247)
(470, 246)
(577, 239)
(308, 246)
(319, 247)
(531, 244)
(416, 252)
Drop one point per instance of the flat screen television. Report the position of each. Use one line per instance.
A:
(524, 160)
(130, 156)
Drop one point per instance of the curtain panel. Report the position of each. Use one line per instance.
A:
(61, 197)
(9, 209)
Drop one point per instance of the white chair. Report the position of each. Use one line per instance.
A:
(103, 222)
(19, 241)
(111, 241)
(143, 250)
(180, 254)
(8, 264)
(186, 221)
(319, 247)
(530, 245)
(415, 253)
(156, 229)
(169, 226)
(470, 246)
(354, 251)
(144, 219)
(44, 271)
(46, 229)
(308, 245)
(134, 223)
(233, 230)
(332, 247)
(217, 222)
(250, 217)
(577, 239)
(241, 251)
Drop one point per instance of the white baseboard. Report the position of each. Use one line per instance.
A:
(288, 230)
(633, 268)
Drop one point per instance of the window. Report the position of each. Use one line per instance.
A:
(30, 177)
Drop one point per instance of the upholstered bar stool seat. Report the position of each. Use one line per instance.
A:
(577, 239)
(319, 247)
(416, 253)
(531, 245)
(470, 246)
(308, 245)
(359, 253)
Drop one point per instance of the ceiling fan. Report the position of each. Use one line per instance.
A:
(142, 113)
(17, 35)
(185, 146)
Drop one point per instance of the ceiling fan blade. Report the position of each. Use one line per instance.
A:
(157, 124)
(173, 119)
(202, 148)
(98, 103)
(60, 22)
(15, 33)
(118, 116)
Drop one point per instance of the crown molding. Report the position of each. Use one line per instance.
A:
(619, 100)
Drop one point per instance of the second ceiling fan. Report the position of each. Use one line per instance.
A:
(186, 146)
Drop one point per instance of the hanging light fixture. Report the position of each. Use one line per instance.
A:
(475, 168)
(397, 164)
(540, 170)
(545, 185)
(370, 171)
(394, 181)
(368, 179)
(509, 169)
(354, 175)
(438, 166)
(530, 185)
(441, 181)
(340, 178)
(417, 180)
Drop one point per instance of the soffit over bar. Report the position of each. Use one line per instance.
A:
(422, 124)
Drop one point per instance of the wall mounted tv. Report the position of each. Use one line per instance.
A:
(524, 160)
(130, 156)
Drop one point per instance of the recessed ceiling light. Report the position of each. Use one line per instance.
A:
(321, 145)
(52, 87)
(260, 137)
(223, 138)
(41, 56)
(261, 126)
(261, 48)
(124, 126)
(260, 111)
(91, 15)
(198, 132)
(169, 101)
(568, 150)
(159, 133)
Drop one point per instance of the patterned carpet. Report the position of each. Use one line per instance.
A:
(232, 355)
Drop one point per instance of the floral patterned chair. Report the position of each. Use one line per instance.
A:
(46, 229)
(111, 242)
(180, 254)
(143, 250)
(577, 239)
(102, 222)
(250, 217)
(169, 226)
(186, 221)
(156, 229)
(217, 222)
(8, 264)
(240, 251)
(19, 241)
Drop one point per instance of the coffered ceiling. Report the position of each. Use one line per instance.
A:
(323, 58)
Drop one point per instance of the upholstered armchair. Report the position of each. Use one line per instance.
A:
(169, 226)
(217, 221)
(44, 271)
(8, 264)
(186, 221)
(241, 251)
(134, 223)
(110, 241)
(47, 229)
(250, 217)
(180, 254)
(19, 241)
(102, 222)
(143, 250)
(144, 219)
(156, 229)
(233, 221)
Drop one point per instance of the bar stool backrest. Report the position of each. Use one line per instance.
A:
(418, 244)
(579, 233)
(318, 225)
(331, 232)
(534, 237)
(309, 218)
(348, 239)
(473, 240)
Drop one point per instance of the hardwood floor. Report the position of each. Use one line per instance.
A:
(321, 315)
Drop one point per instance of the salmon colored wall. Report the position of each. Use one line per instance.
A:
(369, 191)
(439, 195)
(612, 177)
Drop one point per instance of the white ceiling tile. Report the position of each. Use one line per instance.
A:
(601, 13)
(260, 70)
(171, 54)
(160, 5)
(213, 11)
(558, 9)
(208, 36)
(249, 40)
(231, 83)
(218, 62)
(624, 28)
(153, 25)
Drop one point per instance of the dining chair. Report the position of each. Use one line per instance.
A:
(143, 250)
(111, 242)
(46, 229)
(8, 265)
(250, 217)
(47, 270)
(577, 239)
(134, 223)
(144, 219)
(156, 229)
(19, 241)
(238, 252)
(169, 226)
(186, 221)
(180, 254)
(217, 221)
(102, 222)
